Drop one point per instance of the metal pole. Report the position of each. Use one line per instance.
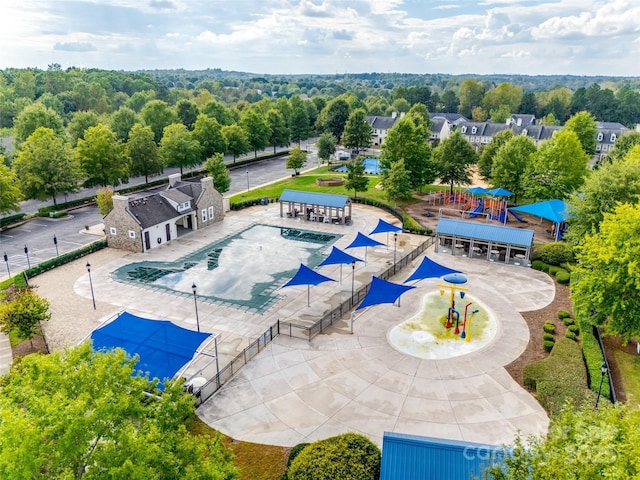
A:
(6, 260)
(195, 302)
(247, 180)
(26, 252)
(93, 298)
(604, 370)
(395, 248)
(353, 279)
(55, 242)
(215, 344)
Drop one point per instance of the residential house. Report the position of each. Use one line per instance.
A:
(147, 221)
(380, 127)
(606, 136)
(521, 120)
(479, 134)
(452, 118)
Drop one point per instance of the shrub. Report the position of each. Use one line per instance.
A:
(548, 345)
(545, 267)
(349, 455)
(549, 327)
(548, 336)
(575, 329)
(553, 270)
(537, 264)
(563, 277)
(556, 253)
(562, 314)
(571, 336)
(11, 219)
(295, 451)
(559, 378)
(569, 321)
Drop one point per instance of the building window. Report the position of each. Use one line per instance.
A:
(524, 132)
(613, 137)
(113, 231)
(600, 136)
(598, 147)
(211, 214)
(204, 214)
(464, 129)
(132, 234)
(474, 130)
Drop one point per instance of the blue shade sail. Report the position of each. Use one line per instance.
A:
(382, 291)
(429, 269)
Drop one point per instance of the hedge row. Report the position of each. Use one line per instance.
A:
(11, 219)
(560, 377)
(63, 259)
(559, 273)
(593, 359)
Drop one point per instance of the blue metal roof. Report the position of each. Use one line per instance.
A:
(483, 231)
(411, 457)
(314, 198)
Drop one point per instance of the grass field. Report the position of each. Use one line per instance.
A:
(629, 366)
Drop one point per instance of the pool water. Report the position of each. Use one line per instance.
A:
(425, 336)
(242, 270)
(371, 166)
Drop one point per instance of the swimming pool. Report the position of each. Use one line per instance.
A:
(242, 270)
(371, 166)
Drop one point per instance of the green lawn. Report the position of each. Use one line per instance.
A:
(629, 365)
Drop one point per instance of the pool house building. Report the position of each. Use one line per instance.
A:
(494, 243)
(316, 207)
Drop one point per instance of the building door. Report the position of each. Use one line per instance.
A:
(147, 241)
(189, 222)
(168, 230)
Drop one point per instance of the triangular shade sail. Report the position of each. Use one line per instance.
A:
(162, 346)
(477, 191)
(362, 240)
(430, 269)
(500, 192)
(384, 227)
(306, 276)
(382, 291)
(337, 257)
(553, 210)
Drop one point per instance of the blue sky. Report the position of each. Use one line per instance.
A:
(579, 37)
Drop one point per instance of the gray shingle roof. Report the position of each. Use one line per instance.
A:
(153, 210)
(381, 123)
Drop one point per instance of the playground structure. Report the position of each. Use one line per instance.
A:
(493, 208)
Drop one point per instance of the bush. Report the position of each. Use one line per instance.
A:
(545, 267)
(563, 277)
(11, 219)
(537, 264)
(556, 253)
(569, 321)
(571, 336)
(548, 345)
(548, 336)
(553, 270)
(575, 329)
(549, 327)
(559, 378)
(63, 259)
(349, 455)
(593, 359)
(562, 314)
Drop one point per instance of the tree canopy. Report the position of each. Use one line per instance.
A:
(356, 178)
(102, 157)
(485, 161)
(83, 414)
(510, 163)
(178, 148)
(453, 159)
(584, 125)
(219, 172)
(143, 152)
(296, 160)
(357, 131)
(9, 192)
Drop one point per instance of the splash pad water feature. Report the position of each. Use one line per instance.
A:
(440, 329)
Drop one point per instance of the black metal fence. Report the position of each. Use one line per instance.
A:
(612, 389)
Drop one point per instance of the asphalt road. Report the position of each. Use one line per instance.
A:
(37, 235)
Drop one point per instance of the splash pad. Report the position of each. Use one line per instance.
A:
(448, 324)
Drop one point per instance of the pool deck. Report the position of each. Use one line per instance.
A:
(296, 391)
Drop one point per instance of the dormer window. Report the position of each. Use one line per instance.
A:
(613, 137)
(525, 132)
(600, 136)
(474, 130)
(184, 206)
(464, 129)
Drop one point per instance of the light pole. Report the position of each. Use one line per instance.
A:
(353, 279)
(195, 302)
(604, 369)
(247, 180)
(93, 298)
(55, 242)
(6, 260)
(395, 249)
(26, 252)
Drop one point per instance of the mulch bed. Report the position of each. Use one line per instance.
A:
(37, 345)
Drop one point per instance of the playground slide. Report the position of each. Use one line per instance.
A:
(517, 217)
(478, 210)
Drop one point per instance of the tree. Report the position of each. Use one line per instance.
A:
(582, 444)
(219, 172)
(334, 116)
(218, 111)
(450, 101)
(143, 152)
(396, 182)
(611, 184)
(356, 178)
(488, 154)
(299, 120)
(504, 94)
(584, 126)
(529, 104)
(104, 200)
(178, 148)
(606, 290)
(471, 94)
(558, 167)
(407, 141)
(257, 128)
(296, 160)
(623, 145)
(479, 114)
(326, 146)
(237, 140)
(510, 163)
(208, 132)
(23, 311)
(500, 114)
(357, 131)
(79, 124)
(46, 167)
(347, 456)
(421, 110)
(102, 157)
(453, 159)
(157, 115)
(280, 134)
(9, 192)
(122, 122)
(90, 415)
(187, 112)
(34, 116)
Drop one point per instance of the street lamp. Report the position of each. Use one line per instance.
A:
(395, 249)
(6, 260)
(55, 242)
(195, 302)
(93, 298)
(605, 370)
(353, 279)
(247, 180)
(26, 252)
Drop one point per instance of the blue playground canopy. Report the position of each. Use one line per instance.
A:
(477, 191)
(382, 291)
(553, 210)
(162, 346)
(500, 192)
(430, 269)
(362, 240)
(384, 227)
(337, 256)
